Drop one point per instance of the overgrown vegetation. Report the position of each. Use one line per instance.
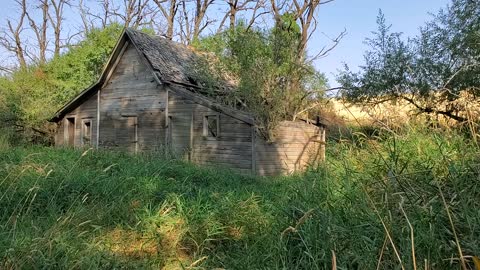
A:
(406, 198)
(287, 88)
(383, 200)
(30, 96)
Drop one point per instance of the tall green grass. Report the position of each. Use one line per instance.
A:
(375, 204)
(4, 140)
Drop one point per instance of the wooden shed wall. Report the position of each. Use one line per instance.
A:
(132, 106)
(85, 111)
(59, 134)
(296, 145)
(137, 114)
(232, 148)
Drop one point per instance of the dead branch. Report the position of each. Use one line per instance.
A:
(11, 39)
(40, 30)
(169, 12)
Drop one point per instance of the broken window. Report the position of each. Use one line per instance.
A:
(70, 134)
(87, 132)
(211, 126)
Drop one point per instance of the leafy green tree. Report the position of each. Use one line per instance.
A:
(270, 81)
(431, 71)
(31, 95)
(83, 63)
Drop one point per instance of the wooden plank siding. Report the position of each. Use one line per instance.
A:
(139, 112)
(132, 92)
(85, 111)
(296, 145)
(231, 148)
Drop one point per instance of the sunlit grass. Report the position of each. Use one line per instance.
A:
(62, 208)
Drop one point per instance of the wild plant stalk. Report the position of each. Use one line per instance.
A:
(412, 236)
(457, 242)
(380, 257)
(385, 228)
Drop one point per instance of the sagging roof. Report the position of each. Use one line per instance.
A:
(176, 62)
(172, 63)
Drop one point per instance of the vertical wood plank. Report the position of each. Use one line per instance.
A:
(135, 133)
(167, 120)
(190, 154)
(323, 146)
(254, 152)
(97, 139)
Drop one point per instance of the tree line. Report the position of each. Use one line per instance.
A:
(437, 71)
(44, 28)
(58, 47)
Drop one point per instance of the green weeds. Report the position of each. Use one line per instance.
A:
(386, 201)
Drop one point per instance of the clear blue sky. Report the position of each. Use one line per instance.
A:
(358, 17)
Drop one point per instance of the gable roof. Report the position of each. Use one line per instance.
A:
(172, 63)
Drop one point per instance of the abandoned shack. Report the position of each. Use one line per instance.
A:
(145, 100)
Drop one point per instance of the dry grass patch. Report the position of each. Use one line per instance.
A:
(128, 243)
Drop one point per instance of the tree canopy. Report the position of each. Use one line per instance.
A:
(32, 94)
(431, 71)
(271, 81)
(71, 43)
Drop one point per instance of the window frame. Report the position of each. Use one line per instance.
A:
(206, 133)
(70, 129)
(84, 129)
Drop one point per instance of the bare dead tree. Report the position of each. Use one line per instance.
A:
(201, 7)
(132, 13)
(258, 11)
(10, 38)
(304, 13)
(192, 25)
(40, 30)
(50, 15)
(90, 19)
(104, 15)
(237, 6)
(168, 9)
(56, 20)
(84, 13)
(184, 24)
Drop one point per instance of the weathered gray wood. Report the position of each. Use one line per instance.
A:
(296, 144)
(117, 50)
(191, 137)
(115, 63)
(166, 112)
(254, 150)
(135, 110)
(207, 103)
(132, 91)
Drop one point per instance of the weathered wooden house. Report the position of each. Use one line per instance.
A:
(145, 100)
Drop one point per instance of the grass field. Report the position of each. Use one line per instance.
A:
(385, 201)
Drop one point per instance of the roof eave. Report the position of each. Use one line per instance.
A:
(240, 115)
(85, 93)
(74, 102)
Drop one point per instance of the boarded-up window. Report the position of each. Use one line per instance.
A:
(87, 132)
(70, 134)
(211, 127)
